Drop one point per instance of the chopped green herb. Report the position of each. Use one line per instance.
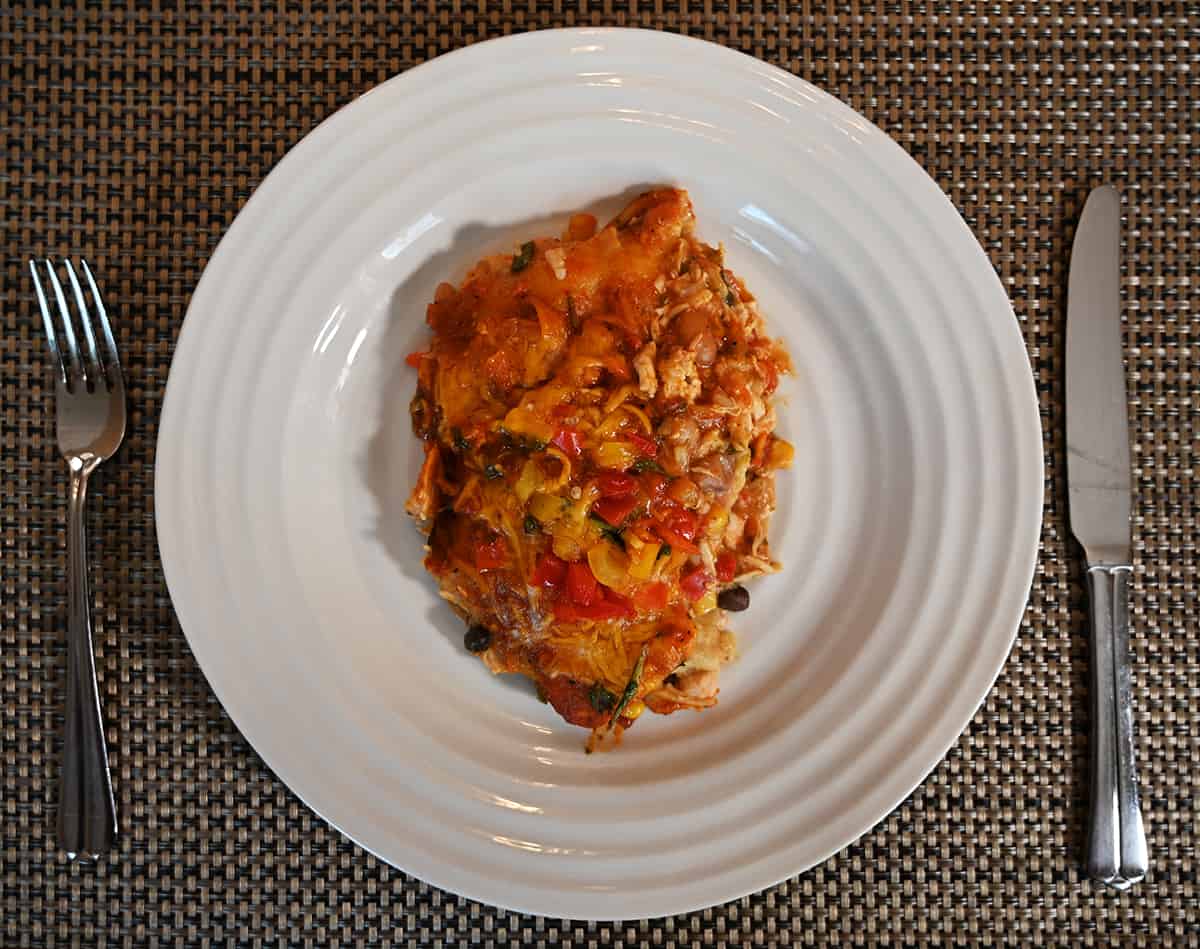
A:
(493, 472)
(523, 259)
(646, 464)
(631, 688)
(663, 551)
(614, 535)
(600, 698)
(460, 440)
(611, 533)
(520, 442)
(531, 524)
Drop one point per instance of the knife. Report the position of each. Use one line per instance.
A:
(1099, 486)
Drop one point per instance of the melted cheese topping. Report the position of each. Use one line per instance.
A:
(600, 458)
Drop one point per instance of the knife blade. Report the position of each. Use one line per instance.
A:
(1099, 485)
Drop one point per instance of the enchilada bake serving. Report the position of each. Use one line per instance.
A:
(600, 461)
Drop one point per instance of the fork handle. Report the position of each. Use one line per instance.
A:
(1116, 838)
(87, 815)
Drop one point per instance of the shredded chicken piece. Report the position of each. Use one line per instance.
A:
(733, 530)
(713, 440)
(698, 683)
(643, 365)
(681, 433)
(680, 380)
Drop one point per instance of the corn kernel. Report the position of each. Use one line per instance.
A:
(706, 603)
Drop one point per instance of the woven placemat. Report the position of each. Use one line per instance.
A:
(133, 134)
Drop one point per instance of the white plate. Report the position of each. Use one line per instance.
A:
(908, 527)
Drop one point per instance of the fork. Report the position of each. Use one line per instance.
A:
(89, 395)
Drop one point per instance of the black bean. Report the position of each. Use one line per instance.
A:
(735, 599)
(477, 639)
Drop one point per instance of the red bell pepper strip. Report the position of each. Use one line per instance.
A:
(569, 440)
(582, 588)
(651, 596)
(695, 583)
(613, 484)
(726, 566)
(678, 528)
(614, 510)
(643, 443)
(550, 572)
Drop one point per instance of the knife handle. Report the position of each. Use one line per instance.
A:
(1116, 839)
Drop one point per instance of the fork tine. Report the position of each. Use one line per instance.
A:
(74, 370)
(48, 323)
(110, 343)
(91, 358)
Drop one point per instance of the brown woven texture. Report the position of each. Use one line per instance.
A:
(133, 133)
